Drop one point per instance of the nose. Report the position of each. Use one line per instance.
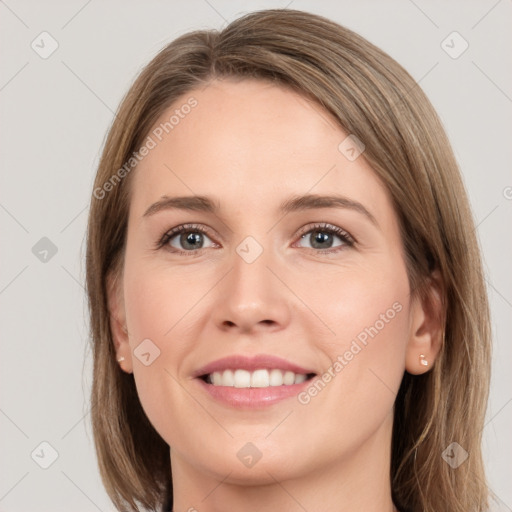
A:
(252, 296)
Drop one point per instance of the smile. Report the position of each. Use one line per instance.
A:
(261, 378)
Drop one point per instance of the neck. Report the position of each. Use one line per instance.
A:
(361, 481)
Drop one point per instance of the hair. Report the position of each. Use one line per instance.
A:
(375, 99)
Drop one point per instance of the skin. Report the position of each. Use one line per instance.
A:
(251, 145)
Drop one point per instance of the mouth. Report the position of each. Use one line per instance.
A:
(252, 382)
(260, 378)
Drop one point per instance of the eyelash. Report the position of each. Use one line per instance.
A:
(348, 240)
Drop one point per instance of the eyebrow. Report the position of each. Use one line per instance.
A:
(293, 204)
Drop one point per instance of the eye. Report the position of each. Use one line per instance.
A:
(322, 237)
(189, 239)
(184, 239)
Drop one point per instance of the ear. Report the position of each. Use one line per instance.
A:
(427, 327)
(117, 319)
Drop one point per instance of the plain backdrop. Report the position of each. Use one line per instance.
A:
(55, 111)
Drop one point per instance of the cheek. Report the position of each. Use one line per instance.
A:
(157, 312)
(160, 303)
(149, 303)
(362, 303)
(367, 312)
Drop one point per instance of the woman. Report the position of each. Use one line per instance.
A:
(287, 302)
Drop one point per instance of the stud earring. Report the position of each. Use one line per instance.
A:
(423, 361)
(120, 360)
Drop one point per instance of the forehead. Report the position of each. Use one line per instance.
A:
(248, 141)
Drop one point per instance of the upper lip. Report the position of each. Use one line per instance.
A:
(250, 363)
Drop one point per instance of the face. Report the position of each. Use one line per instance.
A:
(289, 290)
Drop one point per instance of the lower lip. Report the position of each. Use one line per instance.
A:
(252, 398)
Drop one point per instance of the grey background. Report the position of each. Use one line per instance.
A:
(54, 115)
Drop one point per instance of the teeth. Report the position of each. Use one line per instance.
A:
(242, 379)
(256, 379)
(299, 378)
(289, 378)
(276, 377)
(259, 379)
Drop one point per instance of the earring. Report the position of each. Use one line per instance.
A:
(423, 361)
(120, 360)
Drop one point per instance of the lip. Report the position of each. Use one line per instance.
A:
(251, 398)
(250, 363)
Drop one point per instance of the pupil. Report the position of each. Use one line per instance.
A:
(321, 236)
(194, 239)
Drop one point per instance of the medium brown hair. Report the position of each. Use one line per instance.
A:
(376, 100)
